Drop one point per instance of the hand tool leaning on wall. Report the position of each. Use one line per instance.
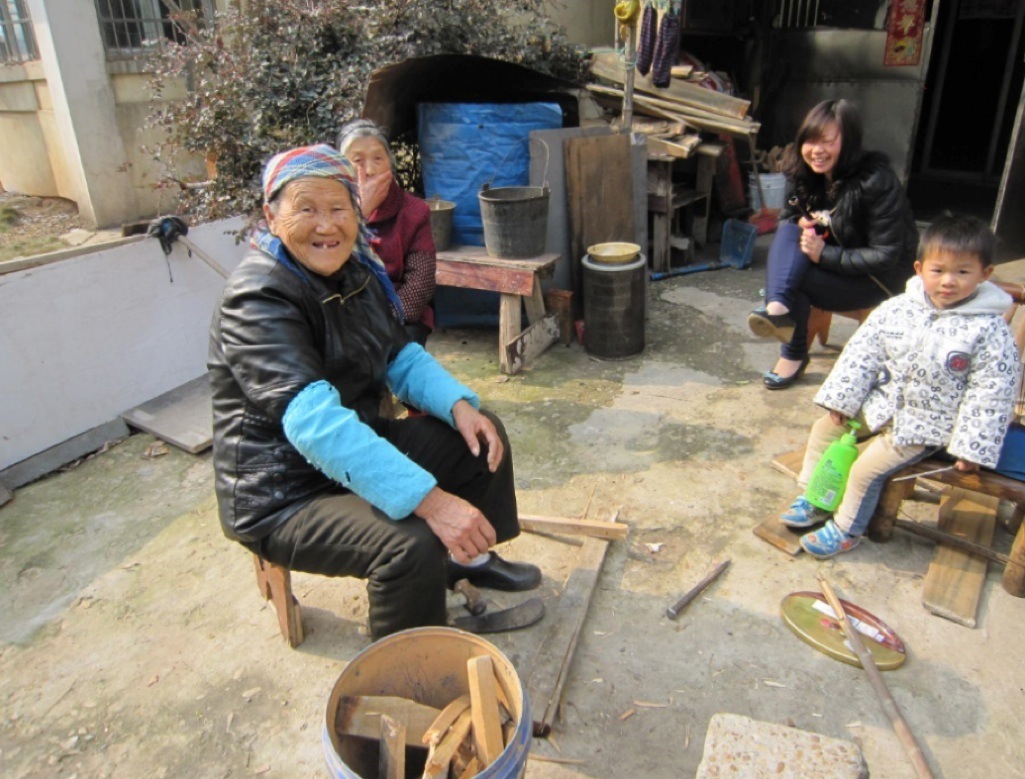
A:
(169, 229)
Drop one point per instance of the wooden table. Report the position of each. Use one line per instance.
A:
(470, 267)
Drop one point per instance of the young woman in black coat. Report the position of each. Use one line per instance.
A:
(846, 238)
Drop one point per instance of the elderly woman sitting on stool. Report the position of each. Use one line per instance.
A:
(400, 222)
(308, 475)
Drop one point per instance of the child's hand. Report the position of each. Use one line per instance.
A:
(966, 467)
(838, 419)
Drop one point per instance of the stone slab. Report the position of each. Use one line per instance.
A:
(739, 747)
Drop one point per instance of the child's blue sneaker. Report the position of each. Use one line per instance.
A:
(802, 514)
(828, 541)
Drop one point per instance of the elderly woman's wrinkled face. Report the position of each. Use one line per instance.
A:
(369, 156)
(822, 153)
(316, 221)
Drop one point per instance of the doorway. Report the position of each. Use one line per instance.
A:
(972, 89)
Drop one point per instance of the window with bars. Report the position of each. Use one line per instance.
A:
(17, 40)
(133, 27)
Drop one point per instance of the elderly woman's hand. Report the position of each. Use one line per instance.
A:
(475, 428)
(372, 190)
(462, 528)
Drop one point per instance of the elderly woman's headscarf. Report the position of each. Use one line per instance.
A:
(320, 161)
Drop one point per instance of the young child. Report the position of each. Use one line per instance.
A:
(933, 368)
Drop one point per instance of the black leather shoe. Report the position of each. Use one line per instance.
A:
(766, 325)
(774, 381)
(496, 574)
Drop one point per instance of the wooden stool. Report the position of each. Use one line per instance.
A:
(985, 482)
(275, 583)
(819, 321)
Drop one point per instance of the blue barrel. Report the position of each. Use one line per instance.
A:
(427, 665)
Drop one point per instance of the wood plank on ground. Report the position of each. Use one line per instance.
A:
(954, 582)
(555, 655)
(181, 416)
(789, 463)
(524, 347)
(537, 523)
(779, 535)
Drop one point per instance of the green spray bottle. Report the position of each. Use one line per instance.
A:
(829, 479)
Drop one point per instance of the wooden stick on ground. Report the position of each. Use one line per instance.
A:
(611, 531)
(555, 655)
(900, 726)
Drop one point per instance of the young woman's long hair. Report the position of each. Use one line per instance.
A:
(809, 186)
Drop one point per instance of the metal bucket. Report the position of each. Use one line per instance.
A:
(427, 665)
(441, 222)
(515, 221)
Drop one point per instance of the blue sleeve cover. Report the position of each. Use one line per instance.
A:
(418, 379)
(334, 440)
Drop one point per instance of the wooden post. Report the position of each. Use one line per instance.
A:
(1014, 572)
(881, 528)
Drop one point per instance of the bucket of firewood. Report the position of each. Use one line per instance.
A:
(428, 702)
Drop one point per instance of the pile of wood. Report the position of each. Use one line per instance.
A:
(688, 109)
(456, 742)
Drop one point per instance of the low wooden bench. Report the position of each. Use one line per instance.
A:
(275, 583)
(820, 320)
(517, 281)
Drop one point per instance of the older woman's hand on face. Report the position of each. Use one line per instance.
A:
(476, 428)
(373, 189)
(462, 528)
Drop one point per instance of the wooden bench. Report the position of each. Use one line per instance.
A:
(819, 321)
(518, 282)
(275, 583)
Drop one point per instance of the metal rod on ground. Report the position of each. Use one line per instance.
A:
(900, 726)
(674, 611)
(925, 531)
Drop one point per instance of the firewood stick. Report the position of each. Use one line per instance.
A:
(437, 763)
(900, 726)
(392, 760)
(444, 721)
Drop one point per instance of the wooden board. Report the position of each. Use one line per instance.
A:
(599, 192)
(360, 715)
(182, 416)
(954, 582)
(610, 531)
(523, 348)
(779, 535)
(555, 655)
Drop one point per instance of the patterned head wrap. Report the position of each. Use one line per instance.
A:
(320, 161)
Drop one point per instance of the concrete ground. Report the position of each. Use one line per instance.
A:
(134, 642)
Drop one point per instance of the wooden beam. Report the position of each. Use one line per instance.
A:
(555, 655)
(694, 117)
(610, 531)
(606, 65)
(440, 757)
(515, 281)
(360, 715)
(437, 729)
(392, 754)
(487, 727)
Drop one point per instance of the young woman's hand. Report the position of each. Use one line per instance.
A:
(811, 242)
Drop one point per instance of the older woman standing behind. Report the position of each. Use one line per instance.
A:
(401, 223)
(308, 475)
(846, 239)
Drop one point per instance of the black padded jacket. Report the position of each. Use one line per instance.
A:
(279, 328)
(872, 229)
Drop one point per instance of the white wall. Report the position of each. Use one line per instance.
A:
(86, 338)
